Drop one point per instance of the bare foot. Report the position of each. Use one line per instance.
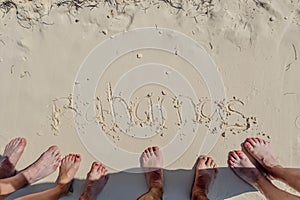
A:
(68, 168)
(262, 152)
(44, 166)
(11, 156)
(243, 167)
(152, 163)
(206, 171)
(96, 180)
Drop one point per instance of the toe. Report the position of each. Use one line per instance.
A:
(14, 142)
(252, 141)
(231, 162)
(232, 159)
(156, 150)
(72, 158)
(259, 140)
(234, 155)
(58, 158)
(77, 157)
(67, 158)
(262, 141)
(64, 159)
(95, 166)
(256, 140)
(203, 159)
(146, 154)
(23, 140)
(212, 164)
(209, 162)
(151, 151)
(248, 146)
(240, 154)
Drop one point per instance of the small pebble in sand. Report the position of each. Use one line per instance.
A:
(105, 31)
(1, 59)
(139, 55)
(39, 133)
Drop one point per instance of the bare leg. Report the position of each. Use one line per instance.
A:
(11, 156)
(96, 180)
(243, 167)
(262, 152)
(152, 162)
(205, 175)
(45, 165)
(69, 167)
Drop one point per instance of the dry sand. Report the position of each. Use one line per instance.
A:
(254, 44)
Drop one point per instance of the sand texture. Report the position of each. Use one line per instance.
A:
(108, 78)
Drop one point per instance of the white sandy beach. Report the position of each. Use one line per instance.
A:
(252, 47)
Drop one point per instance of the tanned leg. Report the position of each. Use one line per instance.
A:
(68, 168)
(205, 175)
(45, 165)
(261, 151)
(243, 167)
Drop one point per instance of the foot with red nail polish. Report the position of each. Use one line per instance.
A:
(68, 168)
(261, 151)
(242, 166)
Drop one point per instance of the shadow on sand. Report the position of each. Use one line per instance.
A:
(130, 186)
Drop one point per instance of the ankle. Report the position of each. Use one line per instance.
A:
(28, 175)
(274, 171)
(64, 188)
(260, 181)
(157, 191)
(84, 196)
(199, 195)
